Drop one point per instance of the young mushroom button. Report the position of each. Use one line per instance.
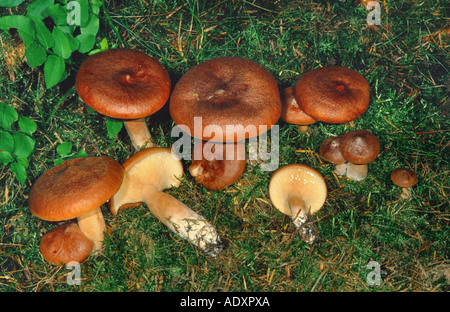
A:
(148, 173)
(77, 189)
(405, 178)
(215, 165)
(298, 191)
(124, 84)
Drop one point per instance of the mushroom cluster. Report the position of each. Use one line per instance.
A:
(351, 153)
(329, 94)
(236, 99)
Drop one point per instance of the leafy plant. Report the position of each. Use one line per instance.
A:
(53, 31)
(65, 151)
(16, 145)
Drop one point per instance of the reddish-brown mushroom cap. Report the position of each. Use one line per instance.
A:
(332, 94)
(223, 167)
(230, 94)
(64, 244)
(75, 187)
(359, 146)
(330, 150)
(123, 83)
(404, 177)
(290, 111)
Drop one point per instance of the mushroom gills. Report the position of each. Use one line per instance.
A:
(183, 221)
(301, 218)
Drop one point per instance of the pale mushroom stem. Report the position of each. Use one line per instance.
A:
(183, 221)
(352, 171)
(301, 218)
(406, 193)
(138, 132)
(92, 224)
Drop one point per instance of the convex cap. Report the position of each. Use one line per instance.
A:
(75, 187)
(123, 83)
(226, 91)
(332, 94)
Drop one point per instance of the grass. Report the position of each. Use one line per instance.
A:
(405, 60)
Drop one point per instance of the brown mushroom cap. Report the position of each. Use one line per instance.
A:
(123, 83)
(359, 146)
(226, 91)
(75, 187)
(404, 177)
(64, 244)
(330, 150)
(223, 170)
(290, 111)
(333, 94)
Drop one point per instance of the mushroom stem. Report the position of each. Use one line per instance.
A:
(352, 171)
(92, 224)
(301, 218)
(138, 132)
(406, 193)
(183, 221)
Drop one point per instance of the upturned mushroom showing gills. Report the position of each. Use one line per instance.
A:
(219, 166)
(299, 191)
(124, 84)
(406, 179)
(77, 189)
(148, 173)
(332, 94)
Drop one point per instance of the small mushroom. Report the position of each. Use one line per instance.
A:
(64, 244)
(292, 113)
(147, 173)
(125, 84)
(299, 191)
(405, 178)
(359, 148)
(76, 189)
(332, 94)
(218, 167)
(330, 150)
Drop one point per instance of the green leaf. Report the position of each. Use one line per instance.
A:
(43, 35)
(36, 54)
(80, 153)
(6, 157)
(58, 14)
(27, 125)
(64, 148)
(20, 171)
(10, 3)
(92, 26)
(86, 42)
(62, 46)
(23, 145)
(6, 141)
(22, 23)
(38, 8)
(54, 70)
(113, 126)
(8, 116)
(95, 6)
(104, 44)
